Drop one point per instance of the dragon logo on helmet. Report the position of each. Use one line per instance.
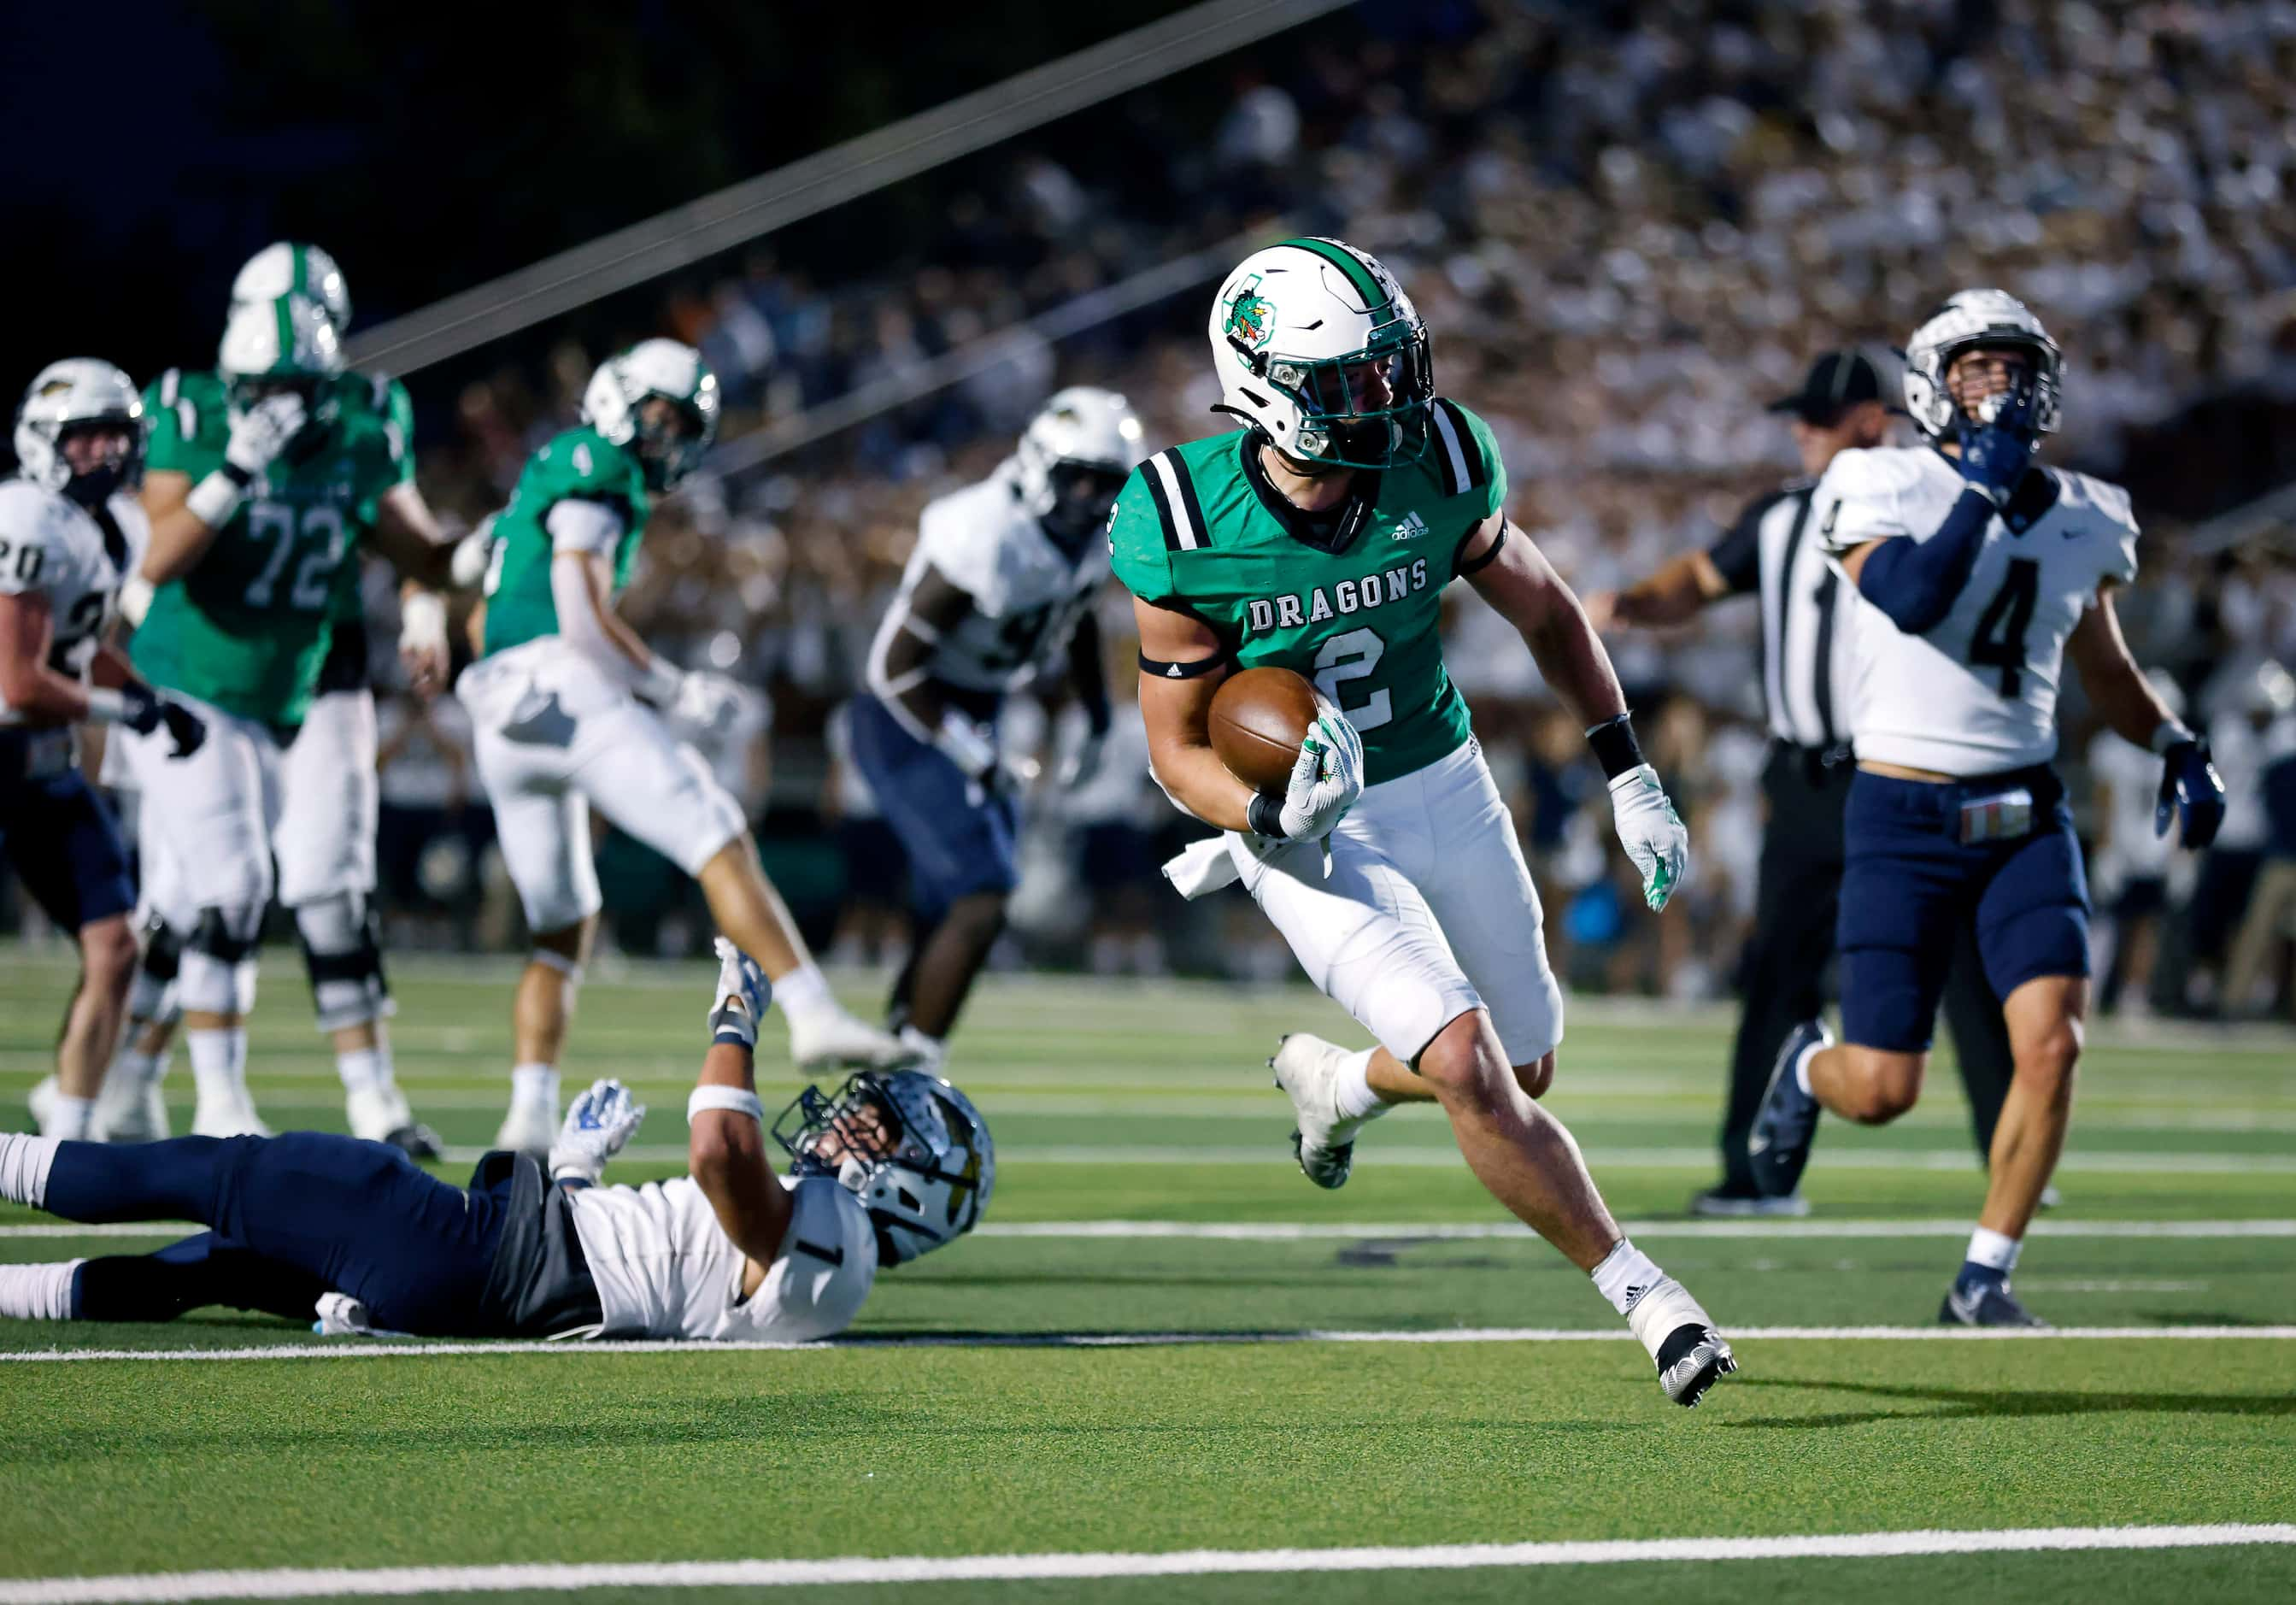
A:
(1251, 315)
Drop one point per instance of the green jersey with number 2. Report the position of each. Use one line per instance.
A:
(248, 628)
(1353, 601)
(578, 465)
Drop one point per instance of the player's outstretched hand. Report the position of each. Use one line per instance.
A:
(706, 702)
(1327, 778)
(2191, 792)
(261, 433)
(601, 1122)
(1995, 453)
(1651, 833)
(148, 711)
(741, 999)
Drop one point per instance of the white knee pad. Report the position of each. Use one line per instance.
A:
(344, 956)
(210, 986)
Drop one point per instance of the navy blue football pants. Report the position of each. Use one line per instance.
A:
(289, 1218)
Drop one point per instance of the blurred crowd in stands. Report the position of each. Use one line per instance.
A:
(1627, 227)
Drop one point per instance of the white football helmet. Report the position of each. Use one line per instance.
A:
(911, 1147)
(74, 393)
(613, 403)
(291, 267)
(1293, 330)
(1976, 318)
(1075, 456)
(288, 343)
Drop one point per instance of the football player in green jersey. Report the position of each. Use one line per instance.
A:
(1320, 539)
(572, 712)
(263, 488)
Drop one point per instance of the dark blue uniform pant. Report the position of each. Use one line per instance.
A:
(289, 1218)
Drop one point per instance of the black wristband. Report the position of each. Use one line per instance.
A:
(1265, 815)
(236, 475)
(1615, 746)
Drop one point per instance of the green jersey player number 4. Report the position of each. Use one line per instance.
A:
(1320, 539)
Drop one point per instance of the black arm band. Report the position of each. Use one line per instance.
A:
(1615, 746)
(1193, 671)
(236, 475)
(1265, 815)
(1490, 554)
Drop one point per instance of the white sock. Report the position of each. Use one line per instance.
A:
(534, 1083)
(1625, 1275)
(141, 1069)
(932, 1051)
(1994, 1250)
(1801, 1068)
(804, 991)
(364, 1069)
(218, 1062)
(1351, 1092)
(68, 1117)
(37, 1292)
(24, 1163)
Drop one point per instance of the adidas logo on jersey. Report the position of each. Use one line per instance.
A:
(1411, 527)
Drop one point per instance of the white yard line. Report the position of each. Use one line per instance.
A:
(407, 1348)
(287, 1583)
(1298, 1231)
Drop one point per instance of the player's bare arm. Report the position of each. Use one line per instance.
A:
(900, 671)
(1675, 594)
(726, 1145)
(1515, 577)
(34, 692)
(1177, 710)
(2190, 788)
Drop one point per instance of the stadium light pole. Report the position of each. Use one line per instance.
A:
(685, 235)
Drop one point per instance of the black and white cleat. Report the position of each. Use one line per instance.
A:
(1691, 1361)
(1785, 1125)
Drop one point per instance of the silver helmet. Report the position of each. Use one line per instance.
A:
(77, 393)
(911, 1147)
(1977, 317)
(1074, 458)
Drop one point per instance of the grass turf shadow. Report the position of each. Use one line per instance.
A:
(1970, 1403)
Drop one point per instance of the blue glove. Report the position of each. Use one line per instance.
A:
(602, 1120)
(742, 996)
(2190, 791)
(1996, 454)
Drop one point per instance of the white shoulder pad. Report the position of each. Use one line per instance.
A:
(828, 1262)
(963, 535)
(2108, 504)
(1866, 493)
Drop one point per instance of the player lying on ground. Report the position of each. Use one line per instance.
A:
(324, 839)
(1001, 584)
(1321, 539)
(894, 1166)
(572, 712)
(1978, 574)
(70, 534)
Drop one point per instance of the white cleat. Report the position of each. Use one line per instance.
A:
(529, 1128)
(228, 1116)
(1307, 1067)
(130, 1109)
(381, 1114)
(832, 1039)
(44, 1100)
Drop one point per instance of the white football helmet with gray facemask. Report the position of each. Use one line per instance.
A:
(1970, 318)
(1290, 331)
(1074, 456)
(614, 403)
(910, 1146)
(79, 393)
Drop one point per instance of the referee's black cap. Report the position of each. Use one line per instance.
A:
(1837, 381)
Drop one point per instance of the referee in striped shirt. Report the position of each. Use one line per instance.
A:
(1772, 552)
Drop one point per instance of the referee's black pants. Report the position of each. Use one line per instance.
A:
(1783, 971)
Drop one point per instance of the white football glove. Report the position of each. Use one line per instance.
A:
(1327, 778)
(422, 649)
(738, 977)
(1651, 833)
(473, 554)
(261, 433)
(706, 702)
(972, 746)
(602, 1120)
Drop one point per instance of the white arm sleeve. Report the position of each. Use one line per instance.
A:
(582, 526)
(578, 628)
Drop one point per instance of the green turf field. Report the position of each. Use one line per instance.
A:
(1276, 1368)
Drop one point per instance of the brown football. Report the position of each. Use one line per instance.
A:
(1258, 719)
